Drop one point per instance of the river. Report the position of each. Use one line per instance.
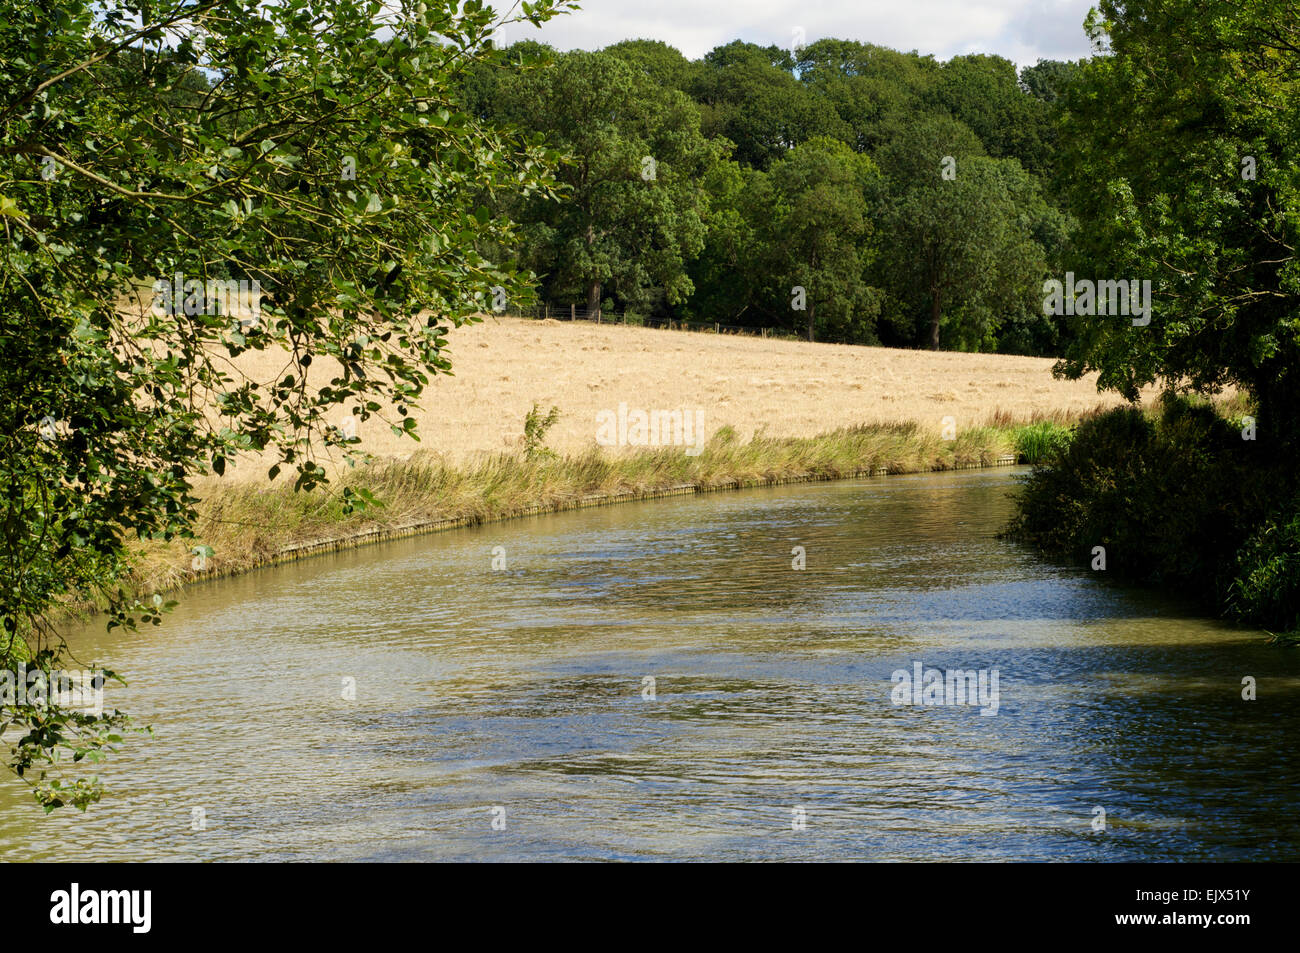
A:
(410, 702)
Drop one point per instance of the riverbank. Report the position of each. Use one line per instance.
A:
(244, 526)
(1192, 499)
(765, 411)
(528, 687)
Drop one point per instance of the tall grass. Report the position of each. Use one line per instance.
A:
(248, 525)
(1037, 441)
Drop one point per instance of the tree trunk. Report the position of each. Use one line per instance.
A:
(935, 314)
(812, 311)
(593, 299)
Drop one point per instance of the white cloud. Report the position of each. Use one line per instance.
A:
(1021, 30)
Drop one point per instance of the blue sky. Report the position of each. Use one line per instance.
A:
(1021, 30)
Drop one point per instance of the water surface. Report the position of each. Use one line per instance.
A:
(524, 689)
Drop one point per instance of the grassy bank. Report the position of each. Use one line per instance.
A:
(250, 525)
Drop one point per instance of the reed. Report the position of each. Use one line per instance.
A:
(253, 524)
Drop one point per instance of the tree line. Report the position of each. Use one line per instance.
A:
(844, 191)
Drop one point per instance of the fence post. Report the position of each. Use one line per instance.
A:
(573, 312)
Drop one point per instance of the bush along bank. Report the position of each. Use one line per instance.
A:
(1183, 498)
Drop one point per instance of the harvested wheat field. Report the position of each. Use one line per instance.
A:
(503, 366)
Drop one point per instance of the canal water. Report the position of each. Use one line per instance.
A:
(659, 681)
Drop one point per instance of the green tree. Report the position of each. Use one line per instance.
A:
(1184, 169)
(634, 207)
(868, 86)
(1047, 79)
(219, 140)
(727, 274)
(984, 92)
(963, 250)
(661, 63)
(748, 95)
(819, 236)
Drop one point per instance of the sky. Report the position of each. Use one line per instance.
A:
(1023, 31)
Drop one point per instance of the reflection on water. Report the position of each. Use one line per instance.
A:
(525, 689)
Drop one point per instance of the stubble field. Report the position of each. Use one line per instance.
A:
(782, 388)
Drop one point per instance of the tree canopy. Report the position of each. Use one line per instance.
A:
(1183, 170)
(720, 234)
(182, 144)
(633, 208)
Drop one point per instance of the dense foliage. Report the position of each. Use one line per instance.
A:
(1163, 495)
(284, 144)
(841, 191)
(1183, 170)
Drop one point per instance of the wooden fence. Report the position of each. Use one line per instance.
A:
(575, 313)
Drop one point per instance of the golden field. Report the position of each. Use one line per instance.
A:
(782, 388)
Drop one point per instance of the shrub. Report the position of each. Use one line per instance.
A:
(1266, 587)
(1172, 498)
(535, 427)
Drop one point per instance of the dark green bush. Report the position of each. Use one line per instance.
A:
(1266, 587)
(1173, 498)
